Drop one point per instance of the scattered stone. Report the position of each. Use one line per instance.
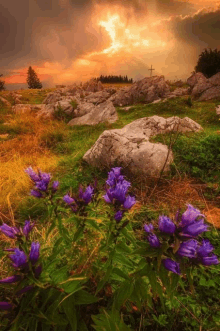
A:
(41, 110)
(104, 112)
(98, 97)
(127, 108)
(130, 146)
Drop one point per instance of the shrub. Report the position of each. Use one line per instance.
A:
(208, 62)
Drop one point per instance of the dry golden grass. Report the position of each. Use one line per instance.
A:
(19, 153)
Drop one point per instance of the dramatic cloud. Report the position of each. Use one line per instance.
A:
(73, 40)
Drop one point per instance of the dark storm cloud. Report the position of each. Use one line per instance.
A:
(202, 29)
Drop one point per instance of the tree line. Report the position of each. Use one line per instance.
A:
(114, 79)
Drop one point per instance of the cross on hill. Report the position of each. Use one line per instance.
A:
(151, 70)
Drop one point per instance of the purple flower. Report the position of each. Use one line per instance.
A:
(27, 228)
(45, 177)
(5, 305)
(118, 216)
(129, 202)
(11, 279)
(87, 195)
(41, 185)
(153, 240)
(68, 199)
(19, 258)
(36, 194)
(55, 185)
(32, 174)
(205, 248)
(25, 289)
(148, 228)
(116, 171)
(108, 196)
(190, 215)
(35, 252)
(166, 225)
(194, 229)
(209, 260)
(171, 266)
(9, 231)
(188, 248)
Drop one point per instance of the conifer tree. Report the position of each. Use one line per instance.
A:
(32, 79)
(2, 84)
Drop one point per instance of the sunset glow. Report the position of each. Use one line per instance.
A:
(117, 39)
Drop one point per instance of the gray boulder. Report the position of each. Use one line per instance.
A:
(52, 97)
(65, 105)
(41, 110)
(146, 90)
(104, 112)
(211, 93)
(130, 146)
(196, 77)
(92, 86)
(98, 97)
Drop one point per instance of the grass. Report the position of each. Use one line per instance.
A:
(55, 147)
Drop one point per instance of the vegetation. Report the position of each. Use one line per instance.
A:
(115, 79)
(2, 84)
(208, 62)
(32, 79)
(94, 265)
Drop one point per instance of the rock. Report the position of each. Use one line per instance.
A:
(146, 90)
(92, 86)
(104, 112)
(127, 108)
(130, 146)
(195, 78)
(42, 110)
(83, 108)
(65, 105)
(178, 92)
(6, 102)
(211, 93)
(97, 97)
(52, 97)
(215, 79)
(218, 110)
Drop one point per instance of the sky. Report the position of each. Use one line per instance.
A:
(67, 41)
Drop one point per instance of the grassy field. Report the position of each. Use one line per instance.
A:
(54, 147)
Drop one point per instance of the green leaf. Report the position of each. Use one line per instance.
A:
(120, 273)
(59, 275)
(84, 298)
(70, 311)
(105, 279)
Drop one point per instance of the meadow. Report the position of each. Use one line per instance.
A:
(86, 268)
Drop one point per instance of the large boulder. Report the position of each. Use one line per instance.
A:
(196, 77)
(146, 90)
(65, 105)
(130, 146)
(203, 88)
(52, 97)
(6, 102)
(104, 112)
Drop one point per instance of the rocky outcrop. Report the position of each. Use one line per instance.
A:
(6, 102)
(211, 93)
(130, 146)
(92, 86)
(98, 97)
(215, 79)
(144, 91)
(104, 112)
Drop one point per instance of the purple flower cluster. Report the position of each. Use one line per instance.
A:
(20, 261)
(83, 198)
(117, 192)
(191, 226)
(14, 232)
(41, 181)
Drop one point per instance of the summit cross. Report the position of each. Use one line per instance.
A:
(151, 70)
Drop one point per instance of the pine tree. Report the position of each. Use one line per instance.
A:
(208, 62)
(32, 79)
(2, 84)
